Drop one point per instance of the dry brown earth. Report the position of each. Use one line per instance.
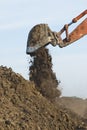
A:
(31, 105)
(77, 105)
(22, 107)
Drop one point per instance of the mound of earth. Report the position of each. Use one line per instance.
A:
(22, 107)
(75, 104)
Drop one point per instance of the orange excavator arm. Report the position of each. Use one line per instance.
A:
(77, 33)
(79, 16)
(41, 35)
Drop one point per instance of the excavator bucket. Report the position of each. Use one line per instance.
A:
(79, 32)
(39, 36)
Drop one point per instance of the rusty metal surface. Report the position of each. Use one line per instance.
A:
(78, 33)
(79, 16)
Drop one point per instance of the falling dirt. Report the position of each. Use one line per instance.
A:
(42, 74)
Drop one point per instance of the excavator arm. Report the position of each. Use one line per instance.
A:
(79, 16)
(41, 35)
(76, 34)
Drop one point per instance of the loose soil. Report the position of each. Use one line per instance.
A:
(75, 104)
(31, 105)
(22, 107)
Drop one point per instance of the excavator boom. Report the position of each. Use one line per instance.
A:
(41, 35)
(76, 34)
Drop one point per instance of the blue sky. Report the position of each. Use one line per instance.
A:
(19, 16)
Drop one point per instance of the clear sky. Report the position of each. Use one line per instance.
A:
(19, 16)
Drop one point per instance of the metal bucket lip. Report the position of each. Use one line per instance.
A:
(32, 49)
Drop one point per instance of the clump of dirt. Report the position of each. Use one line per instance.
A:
(42, 74)
(22, 107)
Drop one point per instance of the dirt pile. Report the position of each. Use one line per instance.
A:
(42, 74)
(77, 105)
(22, 107)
